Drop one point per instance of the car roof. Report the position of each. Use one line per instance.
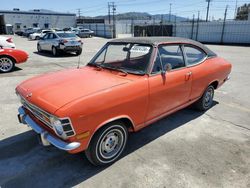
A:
(155, 41)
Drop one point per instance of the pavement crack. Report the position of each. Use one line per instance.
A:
(230, 122)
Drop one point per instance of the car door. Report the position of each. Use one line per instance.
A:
(172, 89)
(195, 59)
(43, 42)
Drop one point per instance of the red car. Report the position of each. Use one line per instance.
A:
(10, 57)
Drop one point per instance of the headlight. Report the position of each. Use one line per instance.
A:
(56, 123)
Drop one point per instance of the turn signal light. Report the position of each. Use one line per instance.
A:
(9, 40)
(83, 135)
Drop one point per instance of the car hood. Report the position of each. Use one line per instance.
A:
(54, 90)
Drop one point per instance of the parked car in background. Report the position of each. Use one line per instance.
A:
(85, 33)
(6, 42)
(38, 35)
(19, 33)
(57, 42)
(129, 84)
(29, 31)
(10, 57)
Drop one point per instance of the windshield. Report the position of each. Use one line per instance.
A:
(66, 35)
(129, 57)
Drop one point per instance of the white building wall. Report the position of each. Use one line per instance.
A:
(27, 20)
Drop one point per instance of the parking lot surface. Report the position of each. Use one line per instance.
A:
(185, 149)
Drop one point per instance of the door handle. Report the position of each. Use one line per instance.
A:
(188, 76)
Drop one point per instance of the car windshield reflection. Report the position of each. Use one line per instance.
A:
(127, 57)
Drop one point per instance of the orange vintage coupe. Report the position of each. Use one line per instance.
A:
(129, 84)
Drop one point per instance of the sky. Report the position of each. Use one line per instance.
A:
(100, 7)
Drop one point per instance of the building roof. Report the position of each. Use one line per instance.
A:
(37, 12)
(155, 41)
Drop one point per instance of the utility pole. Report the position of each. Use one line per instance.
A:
(79, 12)
(235, 11)
(208, 5)
(112, 7)
(169, 18)
(109, 12)
(197, 28)
(223, 26)
(192, 31)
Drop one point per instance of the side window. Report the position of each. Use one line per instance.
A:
(46, 36)
(170, 56)
(54, 36)
(194, 55)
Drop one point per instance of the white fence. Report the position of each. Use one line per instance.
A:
(237, 32)
(234, 32)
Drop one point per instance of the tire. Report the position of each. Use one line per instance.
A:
(37, 38)
(79, 52)
(206, 101)
(107, 144)
(54, 51)
(7, 64)
(39, 49)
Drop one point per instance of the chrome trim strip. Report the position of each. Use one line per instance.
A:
(26, 119)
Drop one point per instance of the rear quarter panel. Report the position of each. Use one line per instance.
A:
(212, 69)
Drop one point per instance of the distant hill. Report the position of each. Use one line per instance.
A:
(143, 16)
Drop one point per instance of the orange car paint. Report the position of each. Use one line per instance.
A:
(92, 97)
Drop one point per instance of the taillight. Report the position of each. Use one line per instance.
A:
(9, 40)
(63, 41)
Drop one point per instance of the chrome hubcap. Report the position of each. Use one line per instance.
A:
(111, 144)
(5, 64)
(208, 98)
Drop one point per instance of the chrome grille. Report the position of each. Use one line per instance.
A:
(44, 117)
(37, 112)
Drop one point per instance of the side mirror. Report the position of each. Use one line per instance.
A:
(163, 72)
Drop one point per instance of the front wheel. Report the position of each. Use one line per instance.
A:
(54, 51)
(206, 101)
(107, 144)
(6, 64)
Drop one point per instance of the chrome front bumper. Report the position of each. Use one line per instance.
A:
(45, 135)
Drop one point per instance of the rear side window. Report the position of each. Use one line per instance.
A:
(170, 56)
(194, 55)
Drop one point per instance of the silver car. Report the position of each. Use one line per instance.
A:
(85, 33)
(60, 42)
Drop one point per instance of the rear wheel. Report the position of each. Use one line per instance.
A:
(37, 38)
(107, 144)
(54, 51)
(7, 64)
(79, 52)
(39, 49)
(206, 101)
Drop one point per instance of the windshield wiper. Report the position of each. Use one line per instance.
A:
(115, 69)
(96, 65)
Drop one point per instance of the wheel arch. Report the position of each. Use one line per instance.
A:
(214, 83)
(126, 119)
(9, 56)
